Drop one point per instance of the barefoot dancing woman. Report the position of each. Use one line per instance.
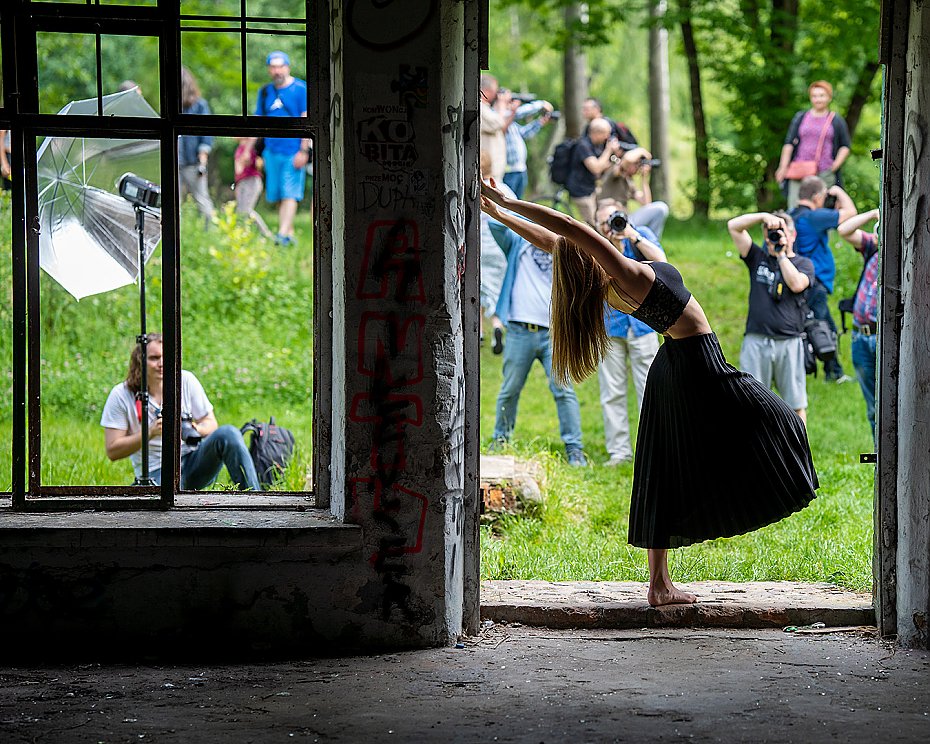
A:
(717, 454)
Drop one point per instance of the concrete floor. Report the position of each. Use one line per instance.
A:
(513, 684)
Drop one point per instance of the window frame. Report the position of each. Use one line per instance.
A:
(21, 21)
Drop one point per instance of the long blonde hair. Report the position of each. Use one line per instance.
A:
(579, 291)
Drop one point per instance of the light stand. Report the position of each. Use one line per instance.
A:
(143, 341)
(144, 196)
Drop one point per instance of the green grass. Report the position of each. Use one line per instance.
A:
(247, 335)
(580, 533)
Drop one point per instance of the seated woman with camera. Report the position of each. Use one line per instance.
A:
(205, 445)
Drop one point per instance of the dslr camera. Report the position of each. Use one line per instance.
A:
(618, 222)
(189, 434)
(829, 201)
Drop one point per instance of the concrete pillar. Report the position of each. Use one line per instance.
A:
(913, 424)
(398, 260)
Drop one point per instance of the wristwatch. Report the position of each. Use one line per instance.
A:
(635, 241)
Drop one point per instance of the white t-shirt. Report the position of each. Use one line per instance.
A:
(120, 413)
(531, 295)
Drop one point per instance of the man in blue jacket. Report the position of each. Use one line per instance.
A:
(523, 307)
(632, 342)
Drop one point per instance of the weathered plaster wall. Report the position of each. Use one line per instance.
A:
(913, 486)
(404, 256)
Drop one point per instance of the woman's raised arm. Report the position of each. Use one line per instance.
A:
(544, 239)
(579, 233)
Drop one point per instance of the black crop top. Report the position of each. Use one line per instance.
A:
(666, 300)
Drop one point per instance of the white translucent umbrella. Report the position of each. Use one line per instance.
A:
(88, 241)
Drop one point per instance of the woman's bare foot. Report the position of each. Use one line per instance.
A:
(669, 595)
(661, 589)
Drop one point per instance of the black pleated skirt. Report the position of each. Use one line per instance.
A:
(717, 453)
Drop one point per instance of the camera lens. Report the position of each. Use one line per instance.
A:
(617, 222)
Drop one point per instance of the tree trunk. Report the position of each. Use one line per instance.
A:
(783, 35)
(701, 201)
(660, 178)
(574, 77)
(860, 96)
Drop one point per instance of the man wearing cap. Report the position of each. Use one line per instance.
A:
(285, 158)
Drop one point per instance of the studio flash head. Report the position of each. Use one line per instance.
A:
(138, 191)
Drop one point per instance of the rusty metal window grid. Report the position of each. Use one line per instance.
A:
(20, 22)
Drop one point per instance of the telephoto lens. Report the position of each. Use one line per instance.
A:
(618, 222)
(775, 238)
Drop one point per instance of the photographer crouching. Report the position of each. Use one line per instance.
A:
(773, 345)
(618, 184)
(205, 445)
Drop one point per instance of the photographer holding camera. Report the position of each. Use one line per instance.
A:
(205, 446)
(535, 114)
(820, 210)
(631, 342)
(773, 345)
(617, 183)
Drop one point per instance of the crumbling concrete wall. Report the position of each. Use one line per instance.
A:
(396, 210)
(401, 137)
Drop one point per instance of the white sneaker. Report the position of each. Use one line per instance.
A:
(616, 460)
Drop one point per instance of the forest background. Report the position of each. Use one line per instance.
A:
(738, 71)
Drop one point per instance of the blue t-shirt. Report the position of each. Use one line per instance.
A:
(291, 101)
(813, 227)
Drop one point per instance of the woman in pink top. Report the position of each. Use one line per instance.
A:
(817, 135)
(248, 186)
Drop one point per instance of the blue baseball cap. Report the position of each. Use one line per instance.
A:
(278, 58)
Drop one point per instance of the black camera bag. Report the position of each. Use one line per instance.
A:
(271, 447)
(822, 339)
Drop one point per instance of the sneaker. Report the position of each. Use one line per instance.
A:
(284, 240)
(616, 460)
(498, 346)
(842, 378)
(497, 445)
(576, 458)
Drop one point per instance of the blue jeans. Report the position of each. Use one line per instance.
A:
(817, 301)
(522, 347)
(226, 447)
(863, 359)
(517, 181)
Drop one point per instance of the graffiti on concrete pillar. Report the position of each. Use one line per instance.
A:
(382, 25)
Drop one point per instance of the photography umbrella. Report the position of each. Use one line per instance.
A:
(88, 241)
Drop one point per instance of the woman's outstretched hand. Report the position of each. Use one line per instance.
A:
(489, 189)
(490, 208)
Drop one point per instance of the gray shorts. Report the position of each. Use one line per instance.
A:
(778, 360)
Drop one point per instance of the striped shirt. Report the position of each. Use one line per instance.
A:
(516, 134)
(865, 307)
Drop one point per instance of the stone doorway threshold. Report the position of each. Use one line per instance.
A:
(595, 604)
